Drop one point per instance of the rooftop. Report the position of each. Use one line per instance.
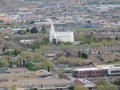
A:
(87, 68)
(84, 82)
(111, 66)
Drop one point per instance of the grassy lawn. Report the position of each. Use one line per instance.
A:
(82, 58)
(103, 43)
(82, 29)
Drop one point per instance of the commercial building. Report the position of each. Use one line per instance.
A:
(114, 71)
(98, 71)
(88, 72)
(111, 69)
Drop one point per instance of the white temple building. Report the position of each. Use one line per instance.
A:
(60, 36)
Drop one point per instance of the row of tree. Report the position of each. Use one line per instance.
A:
(72, 61)
(32, 30)
(93, 38)
(28, 59)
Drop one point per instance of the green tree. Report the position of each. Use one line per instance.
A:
(68, 43)
(1, 21)
(33, 88)
(10, 44)
(78, 87)
(34, 30)
(43, 29)
(17, 51)
(34, 66)
(74, 61)
(106, 87)
(39, 58)
(27, 55)
(103, 85)
(3, 49)
(61, 73)
(5, 62)
(22, 32)
(9, 52)
(62, 59)
(13, 87)
(12, 59)
(117, 81)
(45, 40)
(84, 55)
(49, 64)
(35, 45)
(27, 30)
(79, 37)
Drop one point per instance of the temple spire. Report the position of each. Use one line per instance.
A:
(52, 28)
(52, 32)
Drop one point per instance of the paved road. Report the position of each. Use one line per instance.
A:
(36, 82)
(9, 75)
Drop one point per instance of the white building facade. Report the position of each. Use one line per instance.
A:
(60, 36)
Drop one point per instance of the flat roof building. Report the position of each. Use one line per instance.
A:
(111, 69)
(88, 72)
